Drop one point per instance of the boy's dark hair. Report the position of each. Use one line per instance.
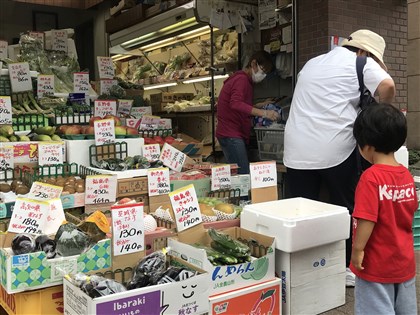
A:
(382, 126)
(263, 59)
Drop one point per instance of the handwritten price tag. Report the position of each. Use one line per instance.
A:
(158, 181)
(220, 177)
(127, 228)
(20, 77)
(139, 112)
(263, 174)
(149, 122)
(105, 107)
(106, 84)
(43, 191)
(81, 82)
(59, 40)
(186, 209)
(124, 107)
(45, 85)
(6, 157)
(39, 36)
(5, 110)
(172, 158)
(3, 49)
(106, 67)
(151, 152)
(100, 189)
(104, 131)
(50, 153)
(36, 216)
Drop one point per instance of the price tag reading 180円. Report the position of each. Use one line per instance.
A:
(127, 228)
(104, 131)
(100, 189)
(50, 153)
(158, 181)
(263, 174)
(186, 209)
(220, 177)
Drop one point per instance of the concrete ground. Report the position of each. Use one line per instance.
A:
(348, 308)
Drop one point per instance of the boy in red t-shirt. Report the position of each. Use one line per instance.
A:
(385, 201)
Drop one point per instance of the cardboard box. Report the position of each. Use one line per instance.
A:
(230, 277)
(123, 4)
(189, 296)
(202, 186)
(157, 239)
(126, 19)
(313, 280)
(44, 301)
(241, 182)
(73, 200)
(127, 187)
(6, 209)
(297, 223)
(262, 298)
(34, 271)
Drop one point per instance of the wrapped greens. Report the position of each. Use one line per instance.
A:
(71, 240)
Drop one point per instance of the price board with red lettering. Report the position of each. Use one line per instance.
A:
(149, 122)
(59, 40)
(104, 131)
(39, 36)
(185, 206)
(127, 228)
(220, 177)
(263, 174)
(151, 152)
(50, 153)
(45, 85)
(105, 107)
(106, 84)
(5, 110)
(44, 191)
(100, 189)
(6, 156)
(105, 67)
(81, 82)
(158, 181)
(139, 112)
(20, 77)
(124, 107)
(172, 158)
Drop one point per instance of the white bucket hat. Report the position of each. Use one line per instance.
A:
(368, 41)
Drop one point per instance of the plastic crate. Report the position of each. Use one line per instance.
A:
(270, 143)
(417, 240)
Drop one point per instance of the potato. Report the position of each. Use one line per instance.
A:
(5, 187)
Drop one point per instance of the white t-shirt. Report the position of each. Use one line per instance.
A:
(319, 130)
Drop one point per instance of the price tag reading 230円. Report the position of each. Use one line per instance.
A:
(263, 174)
(186, 209)
(100, 189)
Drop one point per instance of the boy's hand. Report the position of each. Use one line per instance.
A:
(357, 258)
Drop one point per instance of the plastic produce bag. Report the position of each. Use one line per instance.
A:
(71, 240)
(23, 244)
(47, 245)
(96, 286)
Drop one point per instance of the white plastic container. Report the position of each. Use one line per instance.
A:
(297, 223)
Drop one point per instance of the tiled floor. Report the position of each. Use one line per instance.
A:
(348, 308)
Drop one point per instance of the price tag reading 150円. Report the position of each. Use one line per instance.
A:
(186, 209)
(100, 189)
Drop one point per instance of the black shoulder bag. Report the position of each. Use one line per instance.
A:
(366, 97)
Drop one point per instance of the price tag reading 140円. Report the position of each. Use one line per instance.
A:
(263, 174)
(127, 228)
(186, 209)
(100, 189)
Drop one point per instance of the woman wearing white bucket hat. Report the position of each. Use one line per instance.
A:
(319, 147)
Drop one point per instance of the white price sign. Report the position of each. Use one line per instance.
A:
(59, 40)
(104, 131)
(220, 177)
(105, 107)
(3, 49)
(139, 112)
(106, 67)
(5, 110)
(172, 158)
(45, 85)
(151, 152)
(100, 189)
(158, 181)
(6, 157)
(38, 35)
(127, 229)
(106, 84)
(186, 209)
(50, 153)
(81, 82)
(263, 174)
(44, 191)
(149, 122)
(124, 107)
(20, 77)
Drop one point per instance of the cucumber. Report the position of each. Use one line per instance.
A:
(230, 243)
(227, 251)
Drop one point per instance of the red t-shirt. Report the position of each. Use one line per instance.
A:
(387, 196)
(234, 107)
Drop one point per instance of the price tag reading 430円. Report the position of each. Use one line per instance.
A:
(263, 174)
(186, 209)
(127, 228)
(100, 189)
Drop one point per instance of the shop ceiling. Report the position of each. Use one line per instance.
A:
(75, 4)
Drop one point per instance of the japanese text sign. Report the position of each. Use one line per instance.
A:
(44, 191)
(36, 216)
(3, 49)
(105, 67)
(151, 152)
(81, 82)
(100, 189)
(220, 177)
(104, 131)
(172, 158)
(263, 174)
(59, 40)
(45, 85)
(158, 181)
(105, 107)
(124, 107)
(5, 110)
(127, 228)
(20, 77)
(105, 85)
(6, 156)
(186, 209)
(149, 122)
(139, 112)
(50, 153)
(39, 36)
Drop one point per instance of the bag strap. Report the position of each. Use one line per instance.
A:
(360, 64)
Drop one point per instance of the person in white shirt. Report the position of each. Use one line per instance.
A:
(319, 147)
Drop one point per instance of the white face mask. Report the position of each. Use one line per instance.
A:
(258, 76)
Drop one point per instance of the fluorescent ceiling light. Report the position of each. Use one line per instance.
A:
(159, 85)
(206, 78)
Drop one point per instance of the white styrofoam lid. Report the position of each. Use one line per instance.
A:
(295, 208)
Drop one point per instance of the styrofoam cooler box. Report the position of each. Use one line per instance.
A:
(313, 280)
(297, 223)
